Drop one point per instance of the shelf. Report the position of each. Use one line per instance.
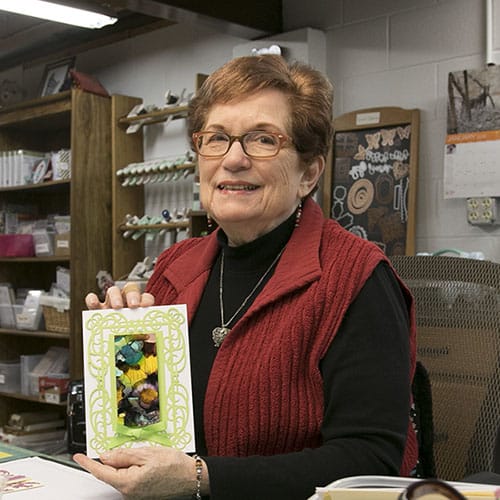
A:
(170, 174)
(25, 397)
(41, 260)
(169, 226)
(48, 108)
(41, 186)
(34, 333)
(128, 149)
(159, 116)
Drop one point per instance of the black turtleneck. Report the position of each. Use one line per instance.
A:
(244, 266)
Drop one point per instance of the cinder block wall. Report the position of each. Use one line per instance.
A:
(399, 53)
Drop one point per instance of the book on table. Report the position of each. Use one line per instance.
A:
(390, 487)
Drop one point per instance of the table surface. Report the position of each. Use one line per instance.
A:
(57, 475)
(10, 452)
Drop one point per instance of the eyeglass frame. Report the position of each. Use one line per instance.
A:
(282, 138)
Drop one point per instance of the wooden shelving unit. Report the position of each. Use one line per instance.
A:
(78, 121)
(125, 149)
(128, 149)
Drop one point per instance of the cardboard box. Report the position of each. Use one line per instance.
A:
(53, 388)
(62, 245)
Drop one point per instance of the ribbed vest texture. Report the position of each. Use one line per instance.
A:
(265, 392)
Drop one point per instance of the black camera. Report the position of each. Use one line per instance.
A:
(76, 417)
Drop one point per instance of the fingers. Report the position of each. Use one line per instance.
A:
(113, 299)
(92, 301)
(101, 471)
(147, 300)
(83, 460)
(131, 293)
(124, 458)
(129, 296)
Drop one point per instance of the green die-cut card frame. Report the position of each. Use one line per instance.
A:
(103, 330)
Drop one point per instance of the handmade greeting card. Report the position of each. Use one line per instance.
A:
(137, 379)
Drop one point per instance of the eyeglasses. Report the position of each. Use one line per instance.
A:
(428, 486)
(255, 144)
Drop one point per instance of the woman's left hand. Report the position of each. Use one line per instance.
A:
(129, 296)
(146, 472)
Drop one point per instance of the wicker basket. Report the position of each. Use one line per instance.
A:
(55, 313)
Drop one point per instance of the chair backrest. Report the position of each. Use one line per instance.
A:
(458, 342)
(423, 422)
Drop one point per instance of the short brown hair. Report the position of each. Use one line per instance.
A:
(309, 92)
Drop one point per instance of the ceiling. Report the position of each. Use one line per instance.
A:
(28, 41)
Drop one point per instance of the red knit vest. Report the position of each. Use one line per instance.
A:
(265, 392)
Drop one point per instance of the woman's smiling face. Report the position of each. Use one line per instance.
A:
(249, 197)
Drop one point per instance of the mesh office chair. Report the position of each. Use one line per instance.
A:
(458, 342)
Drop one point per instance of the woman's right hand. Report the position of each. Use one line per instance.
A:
(129, 296)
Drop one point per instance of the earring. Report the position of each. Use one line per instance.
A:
(298, 214)
(210, 222)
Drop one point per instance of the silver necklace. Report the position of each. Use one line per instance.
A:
(219, 333)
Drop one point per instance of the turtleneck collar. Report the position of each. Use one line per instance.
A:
(260, 252)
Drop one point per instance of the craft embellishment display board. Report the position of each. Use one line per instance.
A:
(137, 379)
(473, 134)
(370, 188)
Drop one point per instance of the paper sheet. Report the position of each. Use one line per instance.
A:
(59, 482)
(471, 165)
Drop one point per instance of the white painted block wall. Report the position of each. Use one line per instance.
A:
(399, 53)
(378, 53)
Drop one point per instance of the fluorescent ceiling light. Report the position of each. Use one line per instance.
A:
(58, 13)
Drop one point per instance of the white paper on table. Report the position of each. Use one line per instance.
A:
(59, 481)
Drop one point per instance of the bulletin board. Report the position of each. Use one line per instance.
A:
(370, 185)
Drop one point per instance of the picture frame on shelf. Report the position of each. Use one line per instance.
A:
(56, 77)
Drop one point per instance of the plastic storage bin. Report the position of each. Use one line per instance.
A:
(7, 316)
(16, 245)
(28, 318)
(10, 376)
(20, 317)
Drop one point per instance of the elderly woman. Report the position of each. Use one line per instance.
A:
(302, 338)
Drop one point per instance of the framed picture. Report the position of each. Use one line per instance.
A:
(137, 379)
(370, 185)
(56, 77)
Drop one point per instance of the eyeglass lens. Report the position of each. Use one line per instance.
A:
(257, 143)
